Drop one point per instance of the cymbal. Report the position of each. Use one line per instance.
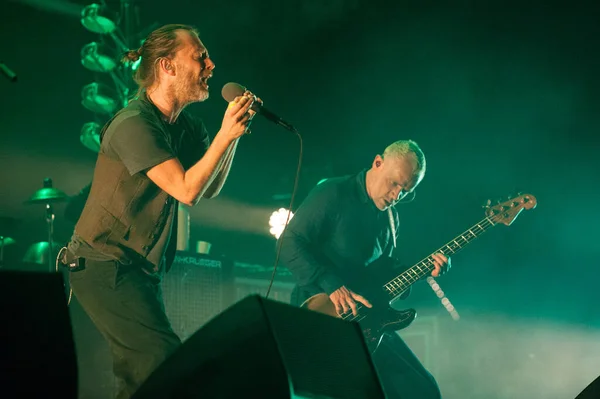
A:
(4, 241)
(47, 195)
(38, 252)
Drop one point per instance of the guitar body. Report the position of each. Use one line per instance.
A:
(373, 322)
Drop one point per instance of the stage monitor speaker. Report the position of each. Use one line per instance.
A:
(38, 355)
(592, 391)
(260, 348)
(197, 288)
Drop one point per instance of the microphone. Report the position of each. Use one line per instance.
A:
(231, 90)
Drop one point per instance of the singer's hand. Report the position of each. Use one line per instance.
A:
(249, 93)
(251, 111)
(237, 117)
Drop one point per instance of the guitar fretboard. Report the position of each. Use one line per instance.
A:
(402, 282)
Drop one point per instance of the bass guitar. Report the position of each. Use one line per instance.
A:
(382, 317)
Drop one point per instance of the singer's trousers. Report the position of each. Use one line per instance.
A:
(126, 305)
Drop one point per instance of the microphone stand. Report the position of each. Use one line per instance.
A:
(50, 222)
(6, 71)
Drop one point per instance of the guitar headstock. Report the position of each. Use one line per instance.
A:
(506, 212)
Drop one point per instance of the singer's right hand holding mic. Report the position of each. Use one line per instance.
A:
(238, 116)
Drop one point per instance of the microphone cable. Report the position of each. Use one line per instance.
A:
(287, 220)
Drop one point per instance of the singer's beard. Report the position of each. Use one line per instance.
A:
(188, 89)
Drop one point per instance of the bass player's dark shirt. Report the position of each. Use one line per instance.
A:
(333, 235)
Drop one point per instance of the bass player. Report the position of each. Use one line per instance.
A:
(345, 224)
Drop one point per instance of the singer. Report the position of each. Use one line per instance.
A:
(153, 155)
(344, 225)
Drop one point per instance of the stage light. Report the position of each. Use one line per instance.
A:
(98, 19)
(277, 221)
(98, 97)
(90, 136)
(94, 57)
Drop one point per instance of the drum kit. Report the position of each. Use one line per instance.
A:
(44, 252)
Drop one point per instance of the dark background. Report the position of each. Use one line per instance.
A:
(501, 96)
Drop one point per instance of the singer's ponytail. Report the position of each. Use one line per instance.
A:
(131, 56)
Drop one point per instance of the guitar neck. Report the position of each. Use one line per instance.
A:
(424, 268)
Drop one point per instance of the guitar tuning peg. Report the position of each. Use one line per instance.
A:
(487, 204)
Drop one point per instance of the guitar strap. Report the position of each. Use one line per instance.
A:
(392, 225)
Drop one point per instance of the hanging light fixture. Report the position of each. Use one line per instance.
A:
(98, 19)
(90, 136)
(99, 98)
(95, 57)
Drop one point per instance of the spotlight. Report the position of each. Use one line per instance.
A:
(90, 136)
(97, 19)
(277, 221)
(94, 57)
(100, 98)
